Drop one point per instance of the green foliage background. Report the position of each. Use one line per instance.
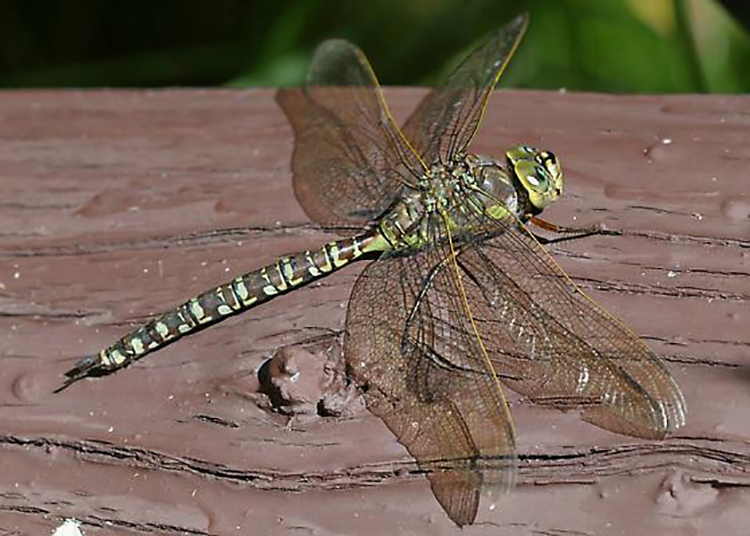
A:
(584, 45)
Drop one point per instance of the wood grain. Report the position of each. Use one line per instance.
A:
(116, 205)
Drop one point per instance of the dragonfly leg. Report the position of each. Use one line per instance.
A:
(572, 233)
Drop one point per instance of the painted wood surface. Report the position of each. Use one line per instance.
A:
(117, 205)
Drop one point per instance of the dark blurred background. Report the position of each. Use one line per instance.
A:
(582, 45)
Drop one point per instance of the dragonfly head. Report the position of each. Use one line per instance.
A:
(539, 173)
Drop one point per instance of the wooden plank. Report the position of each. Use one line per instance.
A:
(116, 205)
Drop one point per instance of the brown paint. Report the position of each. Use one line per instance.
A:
(117, 205)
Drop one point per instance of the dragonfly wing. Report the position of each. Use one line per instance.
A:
(447, 119)
(550, 341)
(350, 160)
(410, 348)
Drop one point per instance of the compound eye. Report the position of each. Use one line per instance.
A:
(538, 179)
(549, 161)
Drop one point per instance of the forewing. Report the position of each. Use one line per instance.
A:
(410, 347)
(550, 341)
(447, 119)
(350, 160)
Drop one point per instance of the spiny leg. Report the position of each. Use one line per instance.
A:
(572, 233)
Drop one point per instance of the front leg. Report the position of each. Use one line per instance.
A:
(573, 233)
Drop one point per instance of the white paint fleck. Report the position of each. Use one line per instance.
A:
(70, 527)
(672, 274)
(583, 379)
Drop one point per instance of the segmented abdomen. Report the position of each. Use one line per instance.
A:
(212, 306)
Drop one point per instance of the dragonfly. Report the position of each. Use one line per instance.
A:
(460, 299)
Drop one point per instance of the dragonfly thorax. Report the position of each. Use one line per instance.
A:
(461, 194)
(455, 196)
